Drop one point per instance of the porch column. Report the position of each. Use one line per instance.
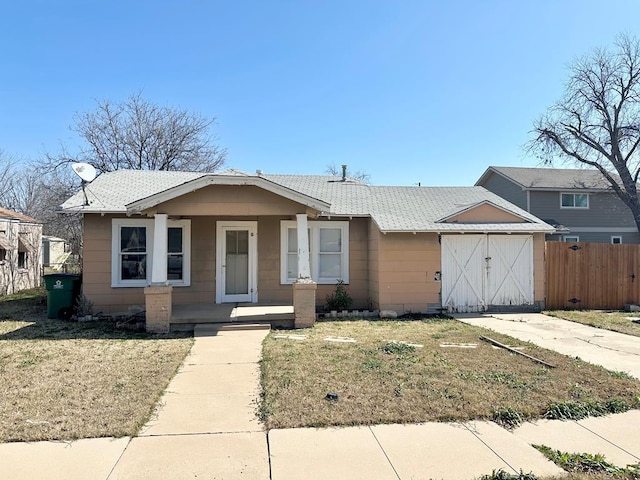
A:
(304, 289)
(304, 268)
(159, 270)
(158, 295)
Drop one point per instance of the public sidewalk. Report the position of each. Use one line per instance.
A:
(205, 427)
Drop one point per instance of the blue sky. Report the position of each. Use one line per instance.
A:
(408, 91)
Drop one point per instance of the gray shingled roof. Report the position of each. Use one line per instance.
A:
(555, 178)
(394, 209)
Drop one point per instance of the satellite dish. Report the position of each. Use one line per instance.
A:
(85, 171)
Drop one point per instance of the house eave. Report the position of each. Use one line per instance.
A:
(471, 230)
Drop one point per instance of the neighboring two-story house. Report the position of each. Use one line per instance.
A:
(579, 203)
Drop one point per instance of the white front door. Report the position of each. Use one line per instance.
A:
(479, 271)
(236, 262)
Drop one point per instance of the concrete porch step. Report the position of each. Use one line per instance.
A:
(209, 328)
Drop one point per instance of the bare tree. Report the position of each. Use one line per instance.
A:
(138, 134)
(360, 175)
(597, 121)
(8, 173)
(32, 190)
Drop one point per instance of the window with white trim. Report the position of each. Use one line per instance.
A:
(179, 252)
(574, 200)
(616, 239)
(571, 238)
(328, 251)
(132, 252)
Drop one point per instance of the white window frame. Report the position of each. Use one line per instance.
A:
(616, 237)
(574, 200)
(314, 254)
(570, 238)
(117, 223)
(186, 252)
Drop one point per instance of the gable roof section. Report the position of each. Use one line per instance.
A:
(393, 209)
(485, 203)
(7, 214)
(550, 178)
(222, 179)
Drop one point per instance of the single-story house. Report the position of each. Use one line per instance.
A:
(20, 237)
(163, 239)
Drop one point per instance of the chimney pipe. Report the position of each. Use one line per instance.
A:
(344, 173)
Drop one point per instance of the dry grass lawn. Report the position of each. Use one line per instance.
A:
(378, 382)
(64, 380)
(616, 321)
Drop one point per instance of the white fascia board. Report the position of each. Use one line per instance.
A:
(73, 210)
(188, 187)
(476, 230)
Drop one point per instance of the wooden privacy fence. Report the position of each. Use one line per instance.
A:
(592, 275)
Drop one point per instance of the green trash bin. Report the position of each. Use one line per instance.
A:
(62, 291)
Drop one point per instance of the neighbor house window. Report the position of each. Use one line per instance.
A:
(616, 239)
(574, 200)
(132, 252)
(571, 238)
(3, 254)
(22, 259)
(328, 251)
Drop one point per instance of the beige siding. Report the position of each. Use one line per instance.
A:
(407, 264)
(374, 264)
(97, 264)
(393, 271)
(485, 214)
(229, 200)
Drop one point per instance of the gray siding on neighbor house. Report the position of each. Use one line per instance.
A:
(605, 211)
(506, 189)
(599, 237)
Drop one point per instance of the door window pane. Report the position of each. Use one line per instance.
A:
(237, 241)
(237, 262)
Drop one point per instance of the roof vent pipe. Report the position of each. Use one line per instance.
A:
(344, 173)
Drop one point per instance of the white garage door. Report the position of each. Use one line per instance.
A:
(479, 271)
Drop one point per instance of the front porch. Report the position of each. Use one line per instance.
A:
(186, 317)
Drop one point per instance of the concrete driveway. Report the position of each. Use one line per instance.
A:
(612, 350)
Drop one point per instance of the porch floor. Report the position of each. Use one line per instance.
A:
(186, 317)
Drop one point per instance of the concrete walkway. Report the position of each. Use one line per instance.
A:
(614, 351)
(205, 427)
